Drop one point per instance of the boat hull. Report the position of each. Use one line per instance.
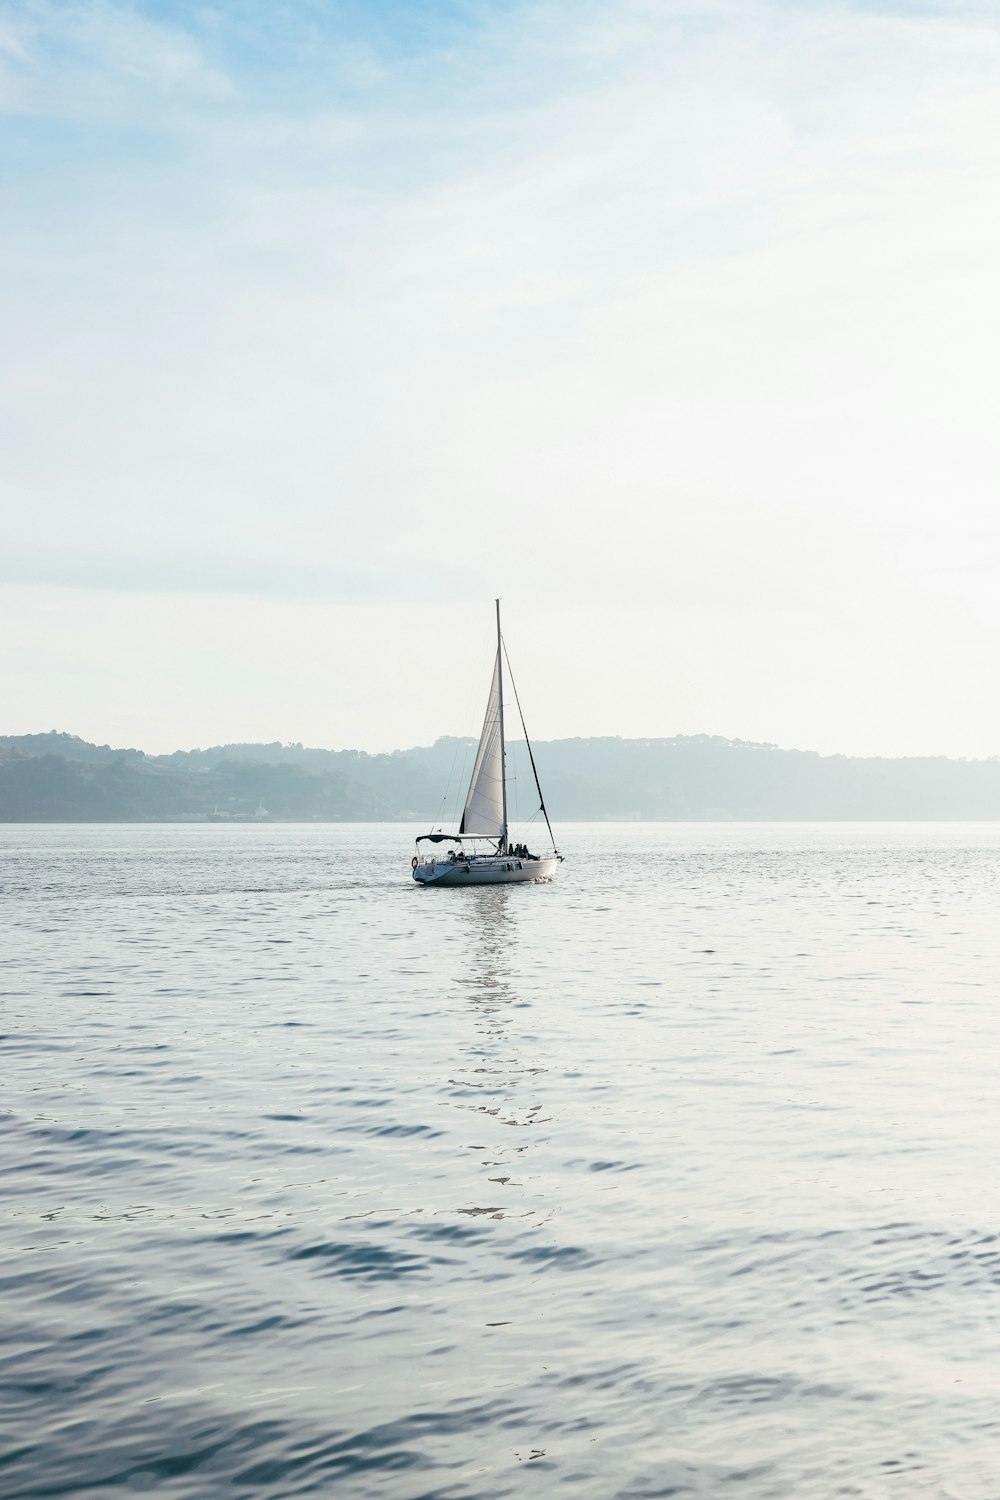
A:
(491, 870)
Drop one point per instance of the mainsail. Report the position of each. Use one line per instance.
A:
(485, 814)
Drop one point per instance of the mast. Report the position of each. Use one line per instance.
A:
(503, 751)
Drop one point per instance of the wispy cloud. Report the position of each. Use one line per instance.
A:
(96, 60)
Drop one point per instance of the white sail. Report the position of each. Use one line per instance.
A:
(485, 806)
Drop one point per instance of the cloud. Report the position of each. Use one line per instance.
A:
(91, 61)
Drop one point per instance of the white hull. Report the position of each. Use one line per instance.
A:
(498, 869)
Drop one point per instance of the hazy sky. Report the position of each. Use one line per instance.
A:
(678, 325)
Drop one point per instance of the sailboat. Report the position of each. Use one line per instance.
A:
(481, 853)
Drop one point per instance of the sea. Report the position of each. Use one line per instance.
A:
(678, 1176)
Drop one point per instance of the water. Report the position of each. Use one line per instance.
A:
(675, 1177)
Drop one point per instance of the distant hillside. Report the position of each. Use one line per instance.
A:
(59, 777)
(69, 746)
(87, 783)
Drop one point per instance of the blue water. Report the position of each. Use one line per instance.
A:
(675, 1177)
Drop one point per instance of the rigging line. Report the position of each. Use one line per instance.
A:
(531, 753)
(442, 810)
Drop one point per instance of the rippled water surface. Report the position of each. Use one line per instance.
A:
(678, 1176)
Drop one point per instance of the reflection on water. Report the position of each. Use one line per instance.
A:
(675, 1176)
(495, 1082)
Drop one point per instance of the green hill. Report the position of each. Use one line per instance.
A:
(59, 777)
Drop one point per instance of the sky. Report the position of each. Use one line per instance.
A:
(676, 325)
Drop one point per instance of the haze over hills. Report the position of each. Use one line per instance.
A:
(58, 777)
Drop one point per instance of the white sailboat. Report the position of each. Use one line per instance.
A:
(481, 853)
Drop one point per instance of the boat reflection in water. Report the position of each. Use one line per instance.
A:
(495, 1083)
